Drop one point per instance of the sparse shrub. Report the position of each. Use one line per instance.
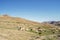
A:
(19, 28)
(58, 31)
(37, 37)
(58, 35)
(18, 22)
(39, 32)
(31, 30)
(43, 39)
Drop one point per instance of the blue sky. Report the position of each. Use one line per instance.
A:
(35, 10)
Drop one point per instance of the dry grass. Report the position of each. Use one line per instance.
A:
(12, 28)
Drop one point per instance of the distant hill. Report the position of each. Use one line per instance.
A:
(56, 23)
(15, 28)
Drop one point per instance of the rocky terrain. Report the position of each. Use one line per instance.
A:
(14, 28)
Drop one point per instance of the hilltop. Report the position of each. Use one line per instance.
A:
(15, 28)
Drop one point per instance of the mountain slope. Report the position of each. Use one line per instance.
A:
(13, 28)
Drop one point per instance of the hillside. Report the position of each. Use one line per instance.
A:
(14, 28)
